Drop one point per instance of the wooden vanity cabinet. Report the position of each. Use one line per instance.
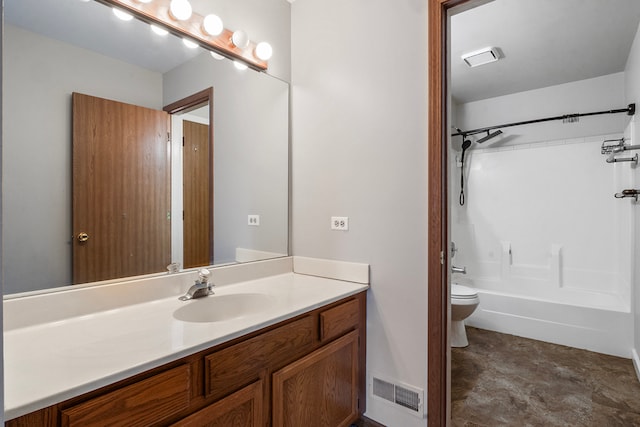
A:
(308, 370)
(321, 389)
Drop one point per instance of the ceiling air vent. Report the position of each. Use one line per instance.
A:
(481, 57)
(407, 397)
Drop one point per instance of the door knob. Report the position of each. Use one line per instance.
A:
(83, 237)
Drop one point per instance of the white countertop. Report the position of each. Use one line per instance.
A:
(50, 362)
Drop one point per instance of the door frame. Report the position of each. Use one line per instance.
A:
(182, 105)
(438, 350)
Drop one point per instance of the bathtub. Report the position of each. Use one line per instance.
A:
(597, 322)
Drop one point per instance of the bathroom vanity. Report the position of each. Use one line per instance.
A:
(297, 359)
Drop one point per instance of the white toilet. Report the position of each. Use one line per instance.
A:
(464, 301)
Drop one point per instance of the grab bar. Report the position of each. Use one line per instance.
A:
(612, 159)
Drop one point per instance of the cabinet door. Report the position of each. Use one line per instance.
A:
(241, 409)
(320, 389)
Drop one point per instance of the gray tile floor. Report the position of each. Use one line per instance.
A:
(503, 380)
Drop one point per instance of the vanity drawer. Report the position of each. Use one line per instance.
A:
(143, 403)
(234, 367)
(338, 320)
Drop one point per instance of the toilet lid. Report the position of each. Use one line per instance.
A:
(459, 291)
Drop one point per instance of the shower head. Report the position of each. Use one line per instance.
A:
(465, 144)
(489, 136)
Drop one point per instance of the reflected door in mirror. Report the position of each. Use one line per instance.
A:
(121, 190)
(197, 195)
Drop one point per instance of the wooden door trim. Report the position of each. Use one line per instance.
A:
(438, 391)
(182, 105)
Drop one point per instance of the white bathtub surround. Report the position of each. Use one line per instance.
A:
(533, 225)
(78, 340)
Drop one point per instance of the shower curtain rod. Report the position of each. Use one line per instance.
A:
(630, 110)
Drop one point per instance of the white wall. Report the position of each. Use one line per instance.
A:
(584, 96)
(359, 123)
(632, 85)
(251, 144)
(39, 76)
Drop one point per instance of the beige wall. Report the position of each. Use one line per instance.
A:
(39, 76)
(359, 123)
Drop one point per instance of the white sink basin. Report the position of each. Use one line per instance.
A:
(220, 308)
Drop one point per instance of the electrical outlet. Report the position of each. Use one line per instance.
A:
(253, 220)
(340, 223)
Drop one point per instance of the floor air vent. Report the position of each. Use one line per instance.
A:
(409, 398)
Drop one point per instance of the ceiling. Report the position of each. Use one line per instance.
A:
(93, 26)
(544, 42)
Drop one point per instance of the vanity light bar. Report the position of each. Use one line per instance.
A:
(157, 13)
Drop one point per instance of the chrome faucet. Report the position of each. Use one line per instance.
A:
(455, 269)
(201, 288)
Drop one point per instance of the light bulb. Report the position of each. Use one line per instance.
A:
(240, 39)
(188, 43)
(264, 51)
(239, 65)
(212, 25)
(158, 30)
(180, 9)
(122, 15)
(217, 56)
(145, 1)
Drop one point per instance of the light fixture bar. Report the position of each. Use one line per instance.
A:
(157, 13)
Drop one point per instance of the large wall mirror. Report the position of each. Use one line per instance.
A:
(55, 48)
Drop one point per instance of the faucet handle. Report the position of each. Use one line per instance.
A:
(204, 275)
(455, 269)
(174, 267)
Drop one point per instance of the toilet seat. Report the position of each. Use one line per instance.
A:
(462, 292)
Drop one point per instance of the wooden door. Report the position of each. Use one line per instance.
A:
(320, 389)
(121, 189)
(196, 195)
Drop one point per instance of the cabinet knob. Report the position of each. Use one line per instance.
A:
(83, 237)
